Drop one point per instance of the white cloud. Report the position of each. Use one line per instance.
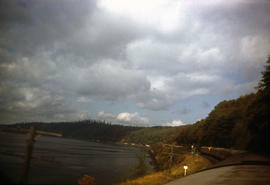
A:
(126, 117)
(103, 115)
(165, 15)
(174, 123)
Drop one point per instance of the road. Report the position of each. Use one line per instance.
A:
(229, 175)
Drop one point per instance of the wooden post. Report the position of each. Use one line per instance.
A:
(171, 157)
(171, 154)
(30, 147)
(185, 168)
(29, 150)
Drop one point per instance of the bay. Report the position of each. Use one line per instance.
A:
(64, 161)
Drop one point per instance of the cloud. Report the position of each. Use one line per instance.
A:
(60, 59)
(33, 104)
(134, 118)
(174, 123)
(164, 15)
(124, 118)
(103, 115)
(204, 104)
(184, 111)
(84, 100)
(107, 80)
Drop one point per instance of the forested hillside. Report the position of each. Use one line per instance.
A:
(87, 129)
(151, 135)
(101, 131)
(241, 123)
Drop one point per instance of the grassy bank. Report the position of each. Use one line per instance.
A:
(194, 163)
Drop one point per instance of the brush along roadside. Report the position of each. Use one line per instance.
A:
(194, 163)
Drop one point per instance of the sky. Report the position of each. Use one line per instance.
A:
(140, 63)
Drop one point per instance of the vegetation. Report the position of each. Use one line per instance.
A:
(87, 130)
(140, 168)
(242, 123)
(150, 135)
(177, 171)
(101, 131)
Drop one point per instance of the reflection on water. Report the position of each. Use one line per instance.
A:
(64, 161)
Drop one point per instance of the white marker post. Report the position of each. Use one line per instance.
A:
(185, 167)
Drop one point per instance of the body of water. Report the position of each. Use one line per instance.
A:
(64, 161)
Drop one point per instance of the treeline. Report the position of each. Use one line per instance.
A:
(96, 130)
(88, 129)
(150, 135)
(242, 123)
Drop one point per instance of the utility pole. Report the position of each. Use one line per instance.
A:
(29, 150)
(171, 153)
(171, 156)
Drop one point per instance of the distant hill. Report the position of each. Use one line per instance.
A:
(88, 129)
(101, 131)
(151, 135)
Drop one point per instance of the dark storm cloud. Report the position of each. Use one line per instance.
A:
(26, 73)
(39, 24)
(71, 29)
(42, 45)
(245, 18)
(243, 27)
(32, 104)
